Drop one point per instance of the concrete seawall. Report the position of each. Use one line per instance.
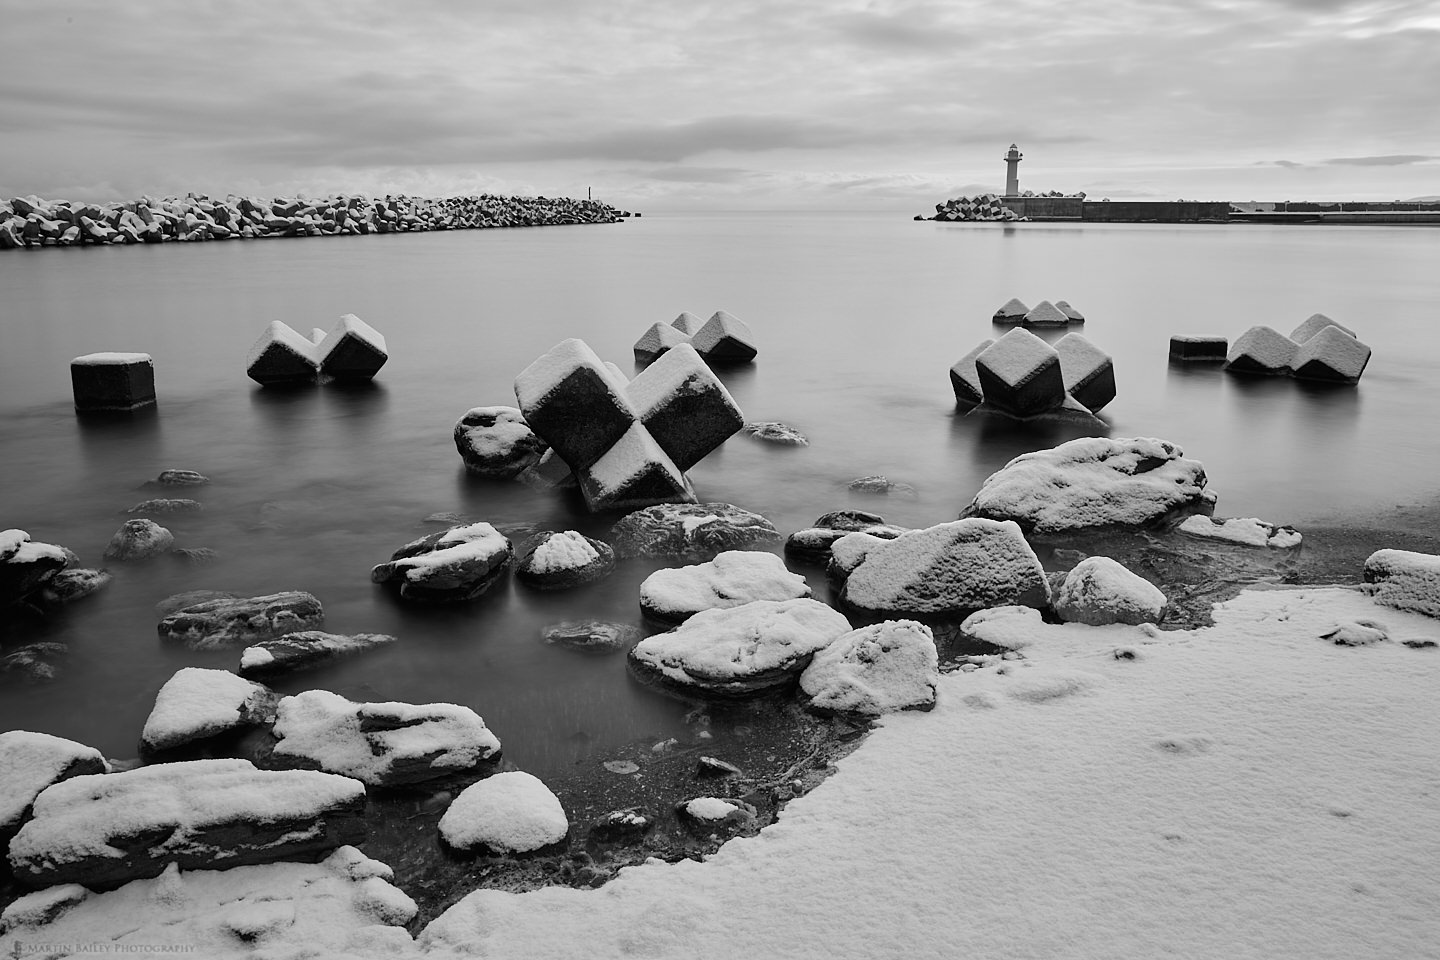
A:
(1076, 209)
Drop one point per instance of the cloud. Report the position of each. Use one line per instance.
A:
(1288, 164)
(688, 174)
(1389, 160)
(912, 29)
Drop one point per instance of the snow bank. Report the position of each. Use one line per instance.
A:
(1405, 580)
(510, 812)
(197, 703)
(877, 669)
(1100, 590)
(732, 578)
(1250, 531)
(30, 762)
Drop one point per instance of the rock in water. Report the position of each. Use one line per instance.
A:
(1020, 375)
(163, 506)
(1098, 590)
(179, 601)
(874, 670)
(201, 814)
(1092, 484)
(139, 540)
(281, 357)
(558, 561)
(773, 431)
(73, 584)
(352, 351)
(511, 812)
(27, 565)
(740, 651)
(379, 744)
(496, 442)
(731, 579)
(1088, 371)
(725, 339)
(112, 381)
(1247, 531)
(684, 406)
(30, 762)
(305, 648)
(696, 531)
(456, 564)
(591, 636)
(197, 704)
(812, 545)
(213, 624)
(1261, 350)
(1405, 580)
(944, 570)
(178, 478)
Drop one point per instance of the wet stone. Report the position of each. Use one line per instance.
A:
(162, 506)
(591, 636)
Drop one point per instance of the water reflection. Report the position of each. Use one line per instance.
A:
(114, 440)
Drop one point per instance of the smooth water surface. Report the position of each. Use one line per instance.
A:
(858, 318)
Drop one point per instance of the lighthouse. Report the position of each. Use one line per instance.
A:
(1012, 172)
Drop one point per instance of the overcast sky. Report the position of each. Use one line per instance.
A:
(677, 103)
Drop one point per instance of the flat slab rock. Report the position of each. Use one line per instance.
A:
(733, 578)
(30, 762)
(304, 648)
(690, 530)
(1094, 483)
(214, 624)
(456, 564)
(105, 830)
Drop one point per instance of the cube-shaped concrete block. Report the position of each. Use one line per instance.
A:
(574, 403)
(1045, 314)
(1088, 371)
(1020, 374)
(1262, 350)
(964, 379)
(1331, 355)
(658, 339)
(687, 323)
(282, 357)
(1199, 349)
(1071, 314)
(352, 351)
(1011, 311)
(684, 406)
(1313, 325)
(633, 473)
(725, 338)
(112, 381)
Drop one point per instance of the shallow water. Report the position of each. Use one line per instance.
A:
(858, 319)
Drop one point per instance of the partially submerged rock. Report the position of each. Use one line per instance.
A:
(304, 648)
(165, 506)
(178, 478)
(812, 545)
(456, 564)
(511, 812)
(1099, 590)
(139, 540)
(1405, 580)
(591, 636)
(773, 431)
(875, 670)
(213, 624)
(27, 565)
(189, 598)
(30, 762)
(497, 443)
(694, 530)
(1246, 531)
(70, 585)
(197, 704)
(733, 578)
(558, 561)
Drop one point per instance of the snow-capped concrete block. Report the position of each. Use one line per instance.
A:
(197, 704)
(456, 564)
(877, 669)
(1088, 371)
(1199, 349)
(558, 561)
(687, 323)
(1405, 580)
(227, 622)
(1262, 350)
(1020, 374)
(511, 812)
(725, 338)
(1011, 311)
(30, 762)
(1331, 355)
(112, 381)
(1071, 314)
(657, 340)
(1045, 314)
(352, 351)
(965, 379)
(497, 443)
(282, 357)
(684, 406)
(1099, 590)
(633, 472)
(734, 577)
(574, 403)
(1314, 324)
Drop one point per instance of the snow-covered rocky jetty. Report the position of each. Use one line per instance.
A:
(1023, 377)
(723, 339)
(1093, 484)
(456, 564)
(1318, 349)
(733, 578)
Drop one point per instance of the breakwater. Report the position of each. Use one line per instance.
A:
(1079, 209)
(37, 222)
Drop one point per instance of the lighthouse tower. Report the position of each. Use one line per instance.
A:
(1012, 172)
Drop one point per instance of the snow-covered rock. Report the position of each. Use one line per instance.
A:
(512, 812)
(380, 744)
(740, 651)
(725, 338)
(574, 402)
(634, 472)
(1248, 531)
(692, 530)
(558, 561)
(812, 545)
(1094, 483)
(11, 541)
(1313, 324)
(352, 351)
(28, 565)
(965, 379)
(213, 624)
(877, 669)
(72, 584)
(139, 540)
(456, 564)
(707, 816)
(30, 762)
(1262, 350)
(731, 579)
(189, 598)
(112, 381)
(946, 569)
(196, 704)
(1020, 374)
(103, 830)
(282, 357)
(304, 648)
(1088, 371)
(1009, 626)
(496, 442)
(1099, 590)
(684, 406)
(1332, 356)
(658, 339)
(1405, 580)
(1011, 311)
(1045, 314)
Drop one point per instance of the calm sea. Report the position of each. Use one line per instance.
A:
(858, 318)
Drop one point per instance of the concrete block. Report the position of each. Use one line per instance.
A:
(965, 380)
(1088, 371)
(684, 406)
(1313, 325)
(1262, 350)
(282, 357)
(1020, 374)
(725, 338)
(1011, 311)
(352, 351)
(1045, 314)
(1199, 349)
(658, 339)
(112, 381)
(1331, 355)
(633, 473)
(574, 403)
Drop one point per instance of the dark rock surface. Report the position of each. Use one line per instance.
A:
(690, 530)
(559, 561)
(453, 565)
(591, 636)
(213, 624)
(303, 649)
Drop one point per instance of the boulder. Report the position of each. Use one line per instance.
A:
(812, 545)
(1045, 314)
(139, 540)
(197, 704)
(282, 357)
(165, 506)
(1009, 627)
(965, 379)
(1331, 356)
(27, 565)
(877, 669)
(1088, 371)
(684, 406)
(104, 830)
(1011, 311)
(456, 564)
(739, 651)
(73, 584)
(687, 323)
(32, 661)
(353, 351)
(1199, 349)
(633, 472)
(1261, 350)
(574, 403)
(773, 431)
(303, 649)
(716, 816)
(733, 578)
(881, 486)
(1314, 324)
(379, 744)
(1246, 531)
(1093, 484)
(1405, 580)
(1071, 314)
(944, 570)
(558, 561)
(1099, 590)
(512, 812)
(591, 636)
(694, 531)
(30, 762)
(11, 541)
(178, 478)
(179, 601)
(112, 381)
(497, 443)
(725, 338)
(1020, 375)
(214, 624)
(657, 340)
(623, 825)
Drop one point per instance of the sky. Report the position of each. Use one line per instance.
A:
(744, 104)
